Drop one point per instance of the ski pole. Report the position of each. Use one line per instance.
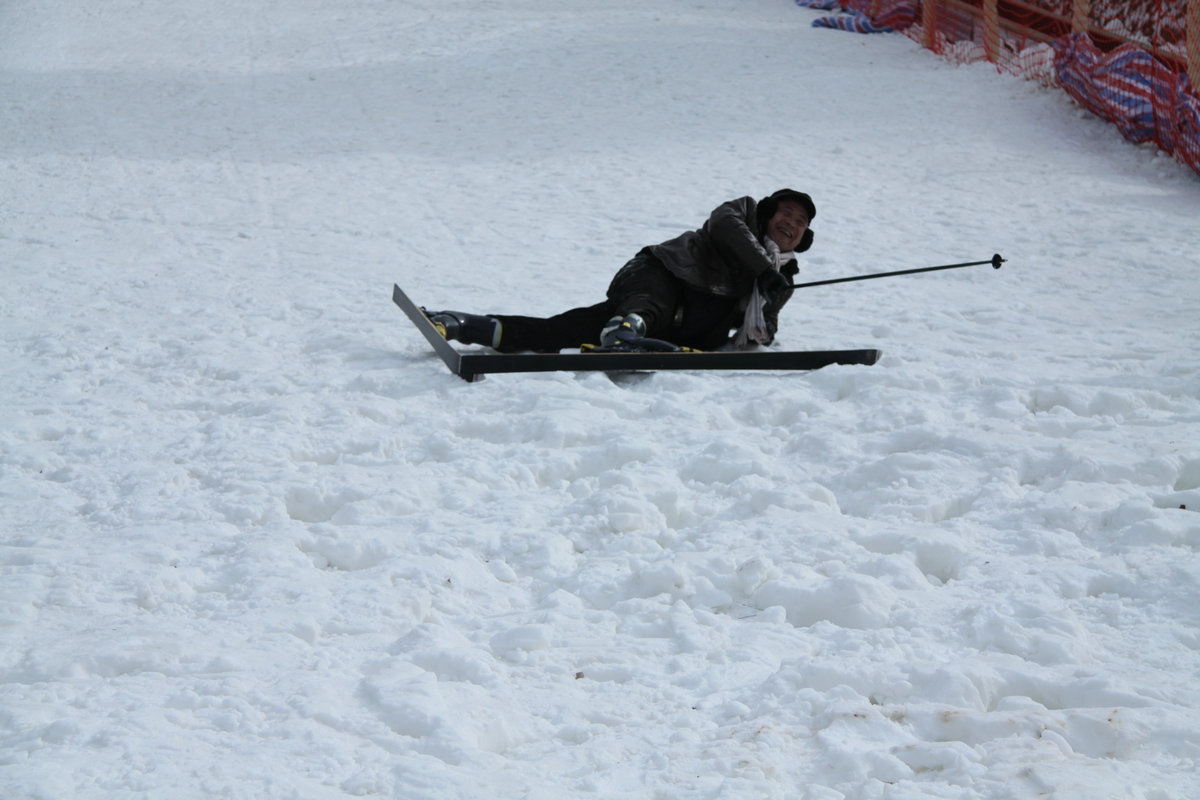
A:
(995, 261)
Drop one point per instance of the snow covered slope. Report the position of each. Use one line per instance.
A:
(255, 540)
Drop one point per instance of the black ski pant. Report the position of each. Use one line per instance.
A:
(570, 329)
(672, 311)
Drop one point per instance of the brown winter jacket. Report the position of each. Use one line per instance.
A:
(725, 256)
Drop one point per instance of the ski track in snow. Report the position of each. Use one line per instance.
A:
(257, 542)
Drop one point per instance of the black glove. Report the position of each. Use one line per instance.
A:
(774, 287)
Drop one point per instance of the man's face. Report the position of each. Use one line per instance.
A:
(788, 225)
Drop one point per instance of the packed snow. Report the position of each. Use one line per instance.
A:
(257, 541)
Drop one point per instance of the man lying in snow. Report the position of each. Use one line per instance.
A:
(733, 274)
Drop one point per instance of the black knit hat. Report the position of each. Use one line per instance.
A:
(768, 205)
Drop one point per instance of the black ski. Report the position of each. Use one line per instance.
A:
(473, 366)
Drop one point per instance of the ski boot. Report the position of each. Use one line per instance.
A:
(627, 334)
(466, 328)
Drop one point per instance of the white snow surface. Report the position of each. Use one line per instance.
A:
(257, 542)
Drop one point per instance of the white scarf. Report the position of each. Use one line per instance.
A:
(754, 325)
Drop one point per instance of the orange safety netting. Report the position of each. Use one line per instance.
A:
(1133, 62)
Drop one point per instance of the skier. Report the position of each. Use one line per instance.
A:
(692, 291)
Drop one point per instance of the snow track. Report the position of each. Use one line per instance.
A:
(255, 541)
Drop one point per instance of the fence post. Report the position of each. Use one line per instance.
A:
(1081, 11)
(929, 21)
(991, 30)
(1193, 43)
